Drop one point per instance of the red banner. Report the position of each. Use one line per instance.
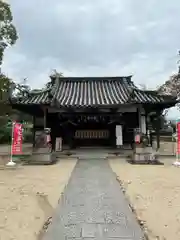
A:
(17, 139)
(178, 137)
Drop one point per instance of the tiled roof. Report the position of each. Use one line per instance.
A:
(140, 96)
(92, 92)
(36, 98)
(86, 93)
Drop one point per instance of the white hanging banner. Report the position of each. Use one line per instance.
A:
(119, 137)
(118, 130)
(143, 124)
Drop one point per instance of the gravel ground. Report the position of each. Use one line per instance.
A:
(154, 192)
(28, 196)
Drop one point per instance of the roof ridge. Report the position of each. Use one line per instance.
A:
(126, 78)
(40, 91)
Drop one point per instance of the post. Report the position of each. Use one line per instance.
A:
(158, 131)
(45, 117)
(11, 163)
(34, 132)
(158, 139)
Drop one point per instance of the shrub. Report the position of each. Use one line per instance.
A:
(5, 134)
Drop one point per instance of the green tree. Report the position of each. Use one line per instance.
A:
(5, 109)
(8, 33)
(8, 37)
(5, 83)
(22, 90)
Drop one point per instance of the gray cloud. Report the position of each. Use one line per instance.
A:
(97, 37)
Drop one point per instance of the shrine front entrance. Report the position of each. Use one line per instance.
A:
(88, 129)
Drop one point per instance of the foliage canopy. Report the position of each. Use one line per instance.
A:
(8, 33)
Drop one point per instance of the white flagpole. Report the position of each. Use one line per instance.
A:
(11, 163)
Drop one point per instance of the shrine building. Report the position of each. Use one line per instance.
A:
(85, 111)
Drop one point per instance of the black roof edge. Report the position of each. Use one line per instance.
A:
(92, 78)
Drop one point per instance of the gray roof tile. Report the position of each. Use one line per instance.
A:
(91, 92)
(36, 98)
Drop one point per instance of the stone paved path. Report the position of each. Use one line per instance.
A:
(93, 207)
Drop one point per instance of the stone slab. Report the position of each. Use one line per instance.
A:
(93, 207)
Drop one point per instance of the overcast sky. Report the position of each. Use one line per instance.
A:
(95, 38)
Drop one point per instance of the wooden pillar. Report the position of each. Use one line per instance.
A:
(34, 131)
(53, 140)
(158, 140)
(52, 124)
(158, 131)
(112, 135)
(45, 117)
(70, 136)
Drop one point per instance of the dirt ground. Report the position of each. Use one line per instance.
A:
(28, 196)
(154, 192)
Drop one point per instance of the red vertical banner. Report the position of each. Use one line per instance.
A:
(178, 137)
(17, 139)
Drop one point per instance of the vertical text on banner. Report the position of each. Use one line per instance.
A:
(178, 137)
(17, 139)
